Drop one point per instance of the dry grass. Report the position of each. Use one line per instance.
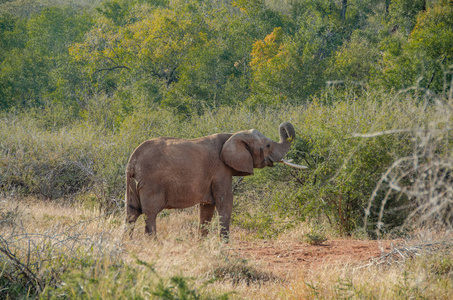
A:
(216, 269)
(178, 251)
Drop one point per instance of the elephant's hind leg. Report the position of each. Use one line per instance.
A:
(206, 213)
(132, 215)
(153, 202)
(150, 221)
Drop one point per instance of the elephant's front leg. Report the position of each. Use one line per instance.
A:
(224, 205)
(225, 211)
(206, 213)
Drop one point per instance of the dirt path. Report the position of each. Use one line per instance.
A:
(281, 257)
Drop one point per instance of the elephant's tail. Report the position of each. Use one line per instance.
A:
(133, 206)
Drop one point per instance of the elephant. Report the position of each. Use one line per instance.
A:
(170, 173)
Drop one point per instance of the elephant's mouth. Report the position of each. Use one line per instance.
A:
(270, 162)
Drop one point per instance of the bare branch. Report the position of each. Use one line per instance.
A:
(112, 68)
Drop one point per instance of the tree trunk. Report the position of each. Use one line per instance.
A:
(343, 9)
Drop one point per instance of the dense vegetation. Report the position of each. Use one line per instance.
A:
(82, 83)
(193, 55)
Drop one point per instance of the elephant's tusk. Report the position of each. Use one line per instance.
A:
(288, 162)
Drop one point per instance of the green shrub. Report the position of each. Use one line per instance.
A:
(109, 280)
(344, 168)
(315, 238)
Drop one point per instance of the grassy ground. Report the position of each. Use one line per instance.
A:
(73, 252)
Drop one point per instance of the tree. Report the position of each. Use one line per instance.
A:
(403, 14)
(432, 43)
(424, 54)
(193, 53)
(290, 67)
(355, 61)
(28, 71)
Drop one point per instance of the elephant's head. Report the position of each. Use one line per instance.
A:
(250, 149)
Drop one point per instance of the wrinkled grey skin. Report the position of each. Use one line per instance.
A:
(177, 173)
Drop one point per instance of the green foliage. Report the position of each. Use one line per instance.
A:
(178, 289)
(354, 61)
(344, 169)
(31, 73)
(315, 238)
(260, 224)
(50, 32)
(186, 61)
(108, 280)
(12, 34)
(117, 10)
(420, 56)
(432, 42)
(195, 55)
(403, 13)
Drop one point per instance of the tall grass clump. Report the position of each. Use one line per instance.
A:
(50, 164)
(35, 261)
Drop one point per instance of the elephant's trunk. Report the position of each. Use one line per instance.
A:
(287, 136)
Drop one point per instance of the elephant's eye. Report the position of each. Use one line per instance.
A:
(268, 146)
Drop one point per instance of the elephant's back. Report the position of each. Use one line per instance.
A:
(146, 151)
(177, 156)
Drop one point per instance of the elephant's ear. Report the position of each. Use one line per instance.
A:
(236, 153)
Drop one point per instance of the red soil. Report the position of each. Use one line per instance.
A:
(281, 257)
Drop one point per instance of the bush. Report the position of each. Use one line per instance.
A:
(44, 163)
(344, 168)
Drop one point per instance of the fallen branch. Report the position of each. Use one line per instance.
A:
(401, 254)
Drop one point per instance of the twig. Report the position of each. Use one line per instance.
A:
(22, 268)
(379, 133)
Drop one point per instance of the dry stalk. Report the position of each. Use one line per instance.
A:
(41, 258)
(425, 177)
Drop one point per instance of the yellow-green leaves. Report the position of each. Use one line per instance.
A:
(265, 50)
